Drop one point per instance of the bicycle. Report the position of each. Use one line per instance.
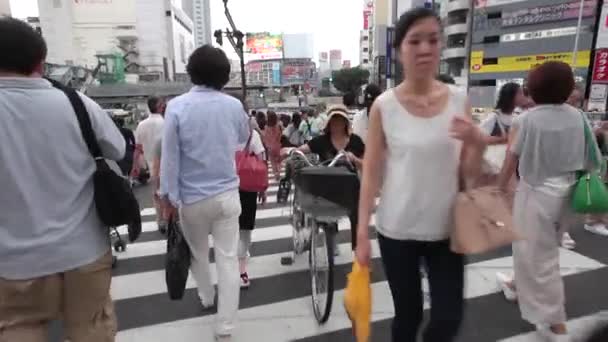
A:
(315, 212)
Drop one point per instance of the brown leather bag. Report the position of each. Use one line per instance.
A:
(483, 221)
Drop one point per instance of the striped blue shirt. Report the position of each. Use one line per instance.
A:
(202, 131)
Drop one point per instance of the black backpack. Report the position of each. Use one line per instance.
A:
(114, 199)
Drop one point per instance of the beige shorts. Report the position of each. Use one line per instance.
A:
(81, 298)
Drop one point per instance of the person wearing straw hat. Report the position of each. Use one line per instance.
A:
(335, 138)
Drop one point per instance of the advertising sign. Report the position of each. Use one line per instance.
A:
(524, 63)
(263, 45)
(549, 13)
(602, 30)
(600, 66)
(490, 3)
(597, 98)
(559, 32)
(296, 73)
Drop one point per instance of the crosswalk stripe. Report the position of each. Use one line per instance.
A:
(479, 280)
(278, 304)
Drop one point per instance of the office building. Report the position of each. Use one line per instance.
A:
(455, 16)
(5, 7)
(511, 37)
(335, 60)
(365, 40)
(155, 37)
(202, 21)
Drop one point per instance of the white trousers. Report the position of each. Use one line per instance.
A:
(540, 288)
(218, 216)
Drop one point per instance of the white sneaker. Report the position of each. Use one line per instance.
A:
(597, 228)
(505, 283)
(568, 242)
(550, 336)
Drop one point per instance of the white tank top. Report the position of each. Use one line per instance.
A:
(422, 170)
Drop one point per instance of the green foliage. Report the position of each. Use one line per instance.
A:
(349, 80)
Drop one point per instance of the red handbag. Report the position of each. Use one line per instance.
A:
(252, 171)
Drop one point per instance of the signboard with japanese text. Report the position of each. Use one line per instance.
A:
(490, 3)
(597, 98)
(480, 64)
(549, 13)
(600, 66)
(542, 34)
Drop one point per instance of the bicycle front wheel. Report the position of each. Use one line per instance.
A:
(321, 259)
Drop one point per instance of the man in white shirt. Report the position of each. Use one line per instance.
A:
(147, 134)
(150, 129)
(360, 121)
(55, 259)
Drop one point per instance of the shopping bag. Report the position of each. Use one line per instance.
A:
(358, 301)
(177, 261)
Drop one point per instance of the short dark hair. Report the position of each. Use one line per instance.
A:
(272, 119)
(551, 83)
(445, 78)
(408, 19)
(209, 66)
(153, 103)
(506, 97)
(23, 49)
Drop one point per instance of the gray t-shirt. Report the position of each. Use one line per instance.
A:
(550, 143)
(48, 221)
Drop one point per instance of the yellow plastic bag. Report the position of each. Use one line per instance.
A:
(358, 301)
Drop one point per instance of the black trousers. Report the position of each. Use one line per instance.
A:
(402, 260)
(249, 207)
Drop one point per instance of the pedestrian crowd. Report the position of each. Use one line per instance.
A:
(415, 146)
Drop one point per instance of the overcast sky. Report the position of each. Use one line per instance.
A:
(335, 23)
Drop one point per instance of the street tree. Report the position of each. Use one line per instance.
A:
(349, 80)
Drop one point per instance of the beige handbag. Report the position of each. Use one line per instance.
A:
(483, 221)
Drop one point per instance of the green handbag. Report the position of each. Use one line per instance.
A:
(590, 194)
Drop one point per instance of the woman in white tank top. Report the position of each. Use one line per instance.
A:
(423, 131)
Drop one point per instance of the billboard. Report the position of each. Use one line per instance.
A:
(263, 45)
(600, 66)
(524, 63)
(490, 3)
(298, 45)
(602, 30)
(548, 13)
(542, 34)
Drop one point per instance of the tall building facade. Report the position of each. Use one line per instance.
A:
(366, 37)
(335, 60)
(202, 22)
(511, 37)
(455, 16)
(5, 7)
(156, 37)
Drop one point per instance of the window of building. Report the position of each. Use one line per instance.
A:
(56, 3)
(365, 50)
(365, 61)
(365, 38)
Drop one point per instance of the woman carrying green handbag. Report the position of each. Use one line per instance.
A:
(590, 194)
(550, 142)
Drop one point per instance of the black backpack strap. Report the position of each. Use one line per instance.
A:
(84, 121)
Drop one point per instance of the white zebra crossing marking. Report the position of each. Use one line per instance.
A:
(292, 319)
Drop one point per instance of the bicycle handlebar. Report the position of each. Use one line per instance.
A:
(295, 153)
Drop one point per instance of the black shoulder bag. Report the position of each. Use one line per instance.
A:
(114, 199)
